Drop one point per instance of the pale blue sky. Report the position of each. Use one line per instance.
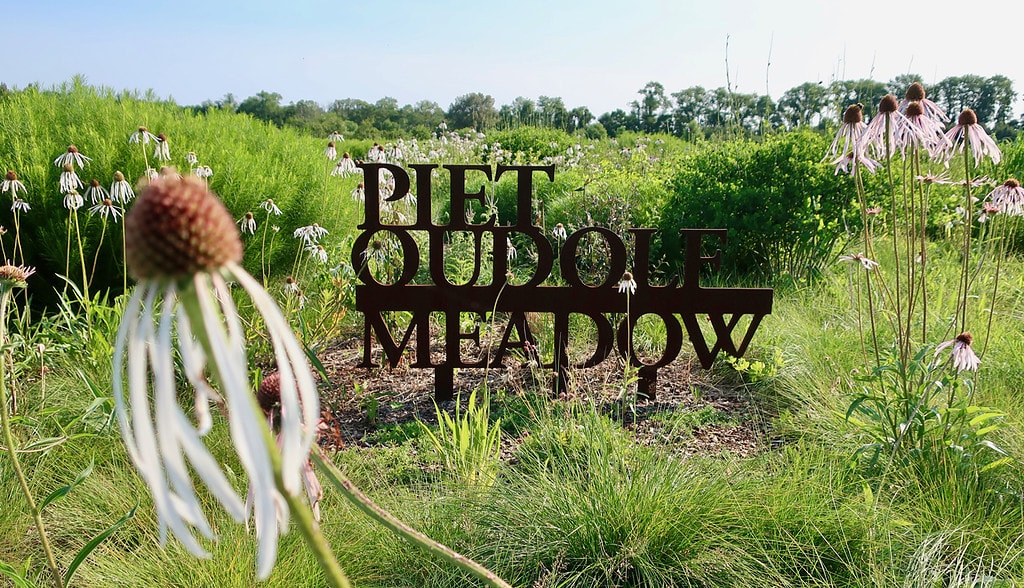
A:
(595, 53)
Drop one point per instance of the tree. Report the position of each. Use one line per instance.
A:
(616, 121)
(803, 105)
(472, 111)
(552, 111)
(264, 106)
(867, 93)
(652, 108)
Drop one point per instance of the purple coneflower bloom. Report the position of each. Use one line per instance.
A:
(1008, 198)
(107, 209)
(849, 133)
(968, 131)
(964, 357)
(889, 130)
(915, 93)
(162, 150)
(868, 264)
(96, 193)
(627, 284)
(72, 155)
(247, 224)
(12, 185)
(73, 200)
(120, 190)
(69, 180)
(310, 234)
(330, 152)
(345, 167)
(142, 136)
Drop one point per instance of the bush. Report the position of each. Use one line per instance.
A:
(784, 209)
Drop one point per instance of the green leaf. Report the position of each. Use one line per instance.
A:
(63, 490)
(94, 543)
(19, 580)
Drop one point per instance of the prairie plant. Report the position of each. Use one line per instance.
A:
(468, 442)
(917, 400)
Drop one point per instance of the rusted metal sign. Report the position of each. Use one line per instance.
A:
(682, 300)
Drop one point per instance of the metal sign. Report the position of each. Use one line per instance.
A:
(682, 300)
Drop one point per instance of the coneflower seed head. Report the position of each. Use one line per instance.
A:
(888, 104)
(1012, 183)
(853, 115)
(269, 393)
(72, 149)
(68, 167)
(914, 109)
(965, 338)
(178, 228)
(915, 92)
(162, 137)
(11, 176)
(94, 183)
(967, 117)
(118, 176)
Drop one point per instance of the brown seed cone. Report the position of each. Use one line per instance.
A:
(887, 104)
(178, 228)
(967, 118)
(854, 114)
(269, 393)
(915, 92)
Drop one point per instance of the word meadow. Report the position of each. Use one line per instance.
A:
(709, 316)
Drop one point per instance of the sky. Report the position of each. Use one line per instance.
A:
(595, 53)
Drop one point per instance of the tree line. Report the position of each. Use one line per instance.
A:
(694, 112)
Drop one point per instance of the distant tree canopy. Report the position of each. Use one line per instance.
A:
(693, 113)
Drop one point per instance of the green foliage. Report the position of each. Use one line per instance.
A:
(784, 210)
(469, 442)
(531, 144)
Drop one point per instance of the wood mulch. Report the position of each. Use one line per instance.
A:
(403, 395)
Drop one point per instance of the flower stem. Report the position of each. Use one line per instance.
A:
(37, 516)
(363, 502)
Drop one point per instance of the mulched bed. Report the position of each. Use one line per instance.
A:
(404, 395)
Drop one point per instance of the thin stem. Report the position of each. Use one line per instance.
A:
(37, 516)
(363, 503)
(96, 257)
(81, 255)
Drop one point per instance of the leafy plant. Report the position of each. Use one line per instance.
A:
(469, 443)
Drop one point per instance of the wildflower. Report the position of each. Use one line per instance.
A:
(268, 396)
(162, 150)
(150, 174)
(964, 357)
(71, 156)
(376, 153)
(290, 285)
(1008, 198)
(889, 130)
(627, 284)
(12, 185)
(142, 136)
(873, 210)
(853, 159)
(107, 209)
(69, 180)
(248, 224)
(510, 248)
(923, 131)
(120, 190)
(20, 205)
(73, 200)
(359, 192)
(345, 166)
(915, 93)
(377, 251)
(335, 136)
(939, 178)
(96, 193)
(269, 206)
(968, 131)
(864, 261)
(559, 232)
(849, 132)
(15, 276)
(203, 171)
(182, 248)
(310, 234)
(330, 152)
(317, 251)
(191, 158)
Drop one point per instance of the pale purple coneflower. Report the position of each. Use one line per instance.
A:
(359, 192)
(330, 152)
(559, 232)
(203, 171)
(924, 132)
(269, 206)
(20, 205)
(317, 252)
(335, 136)
(1008, 198)
(510, 248)
(290, 285)
(915, 93)
(889, 130)
(107, 209)
(73, 200)
(968, 132)
(345, 166)
(73, 156)
(963, 356)
(854, 160)
(12, 185)
(95, 192)
(69, 180)
(873, 210)
(849, 133)
(247, 223)
(191, 158)
(310, 233)
(183, 248)
(162, 149)
(627, 284)
(866, 263)
(120, 189)
(142, 135)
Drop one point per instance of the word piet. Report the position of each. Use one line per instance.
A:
(681, 304)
